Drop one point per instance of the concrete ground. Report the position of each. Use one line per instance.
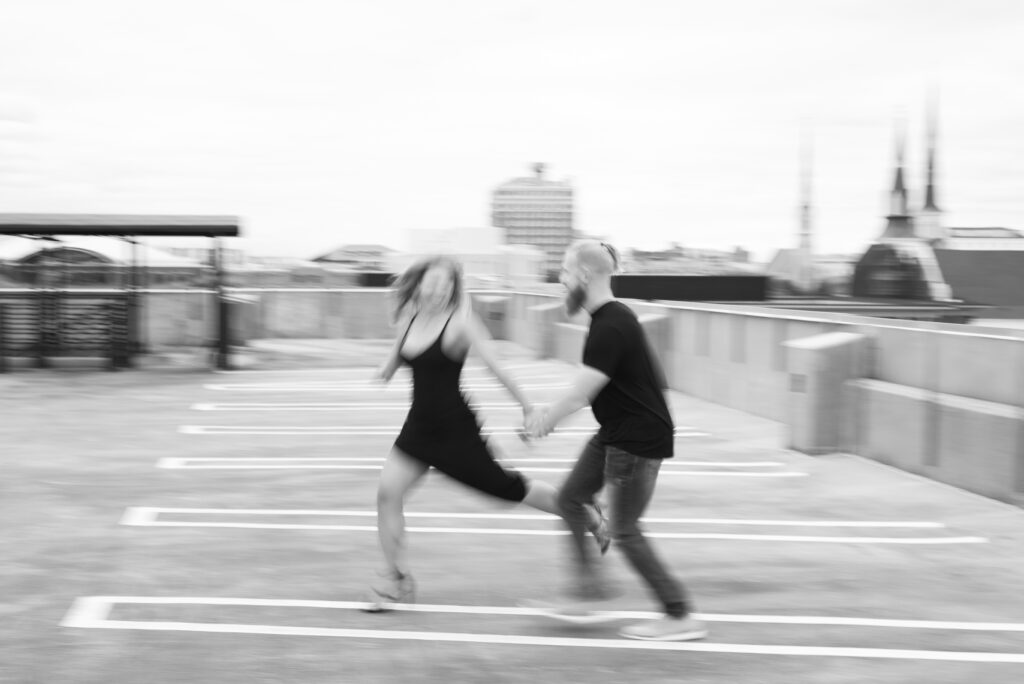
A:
(178, 525)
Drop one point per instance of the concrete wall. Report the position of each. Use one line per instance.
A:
(942, 400)
(188, 317)
(172, 318)
(973, 444)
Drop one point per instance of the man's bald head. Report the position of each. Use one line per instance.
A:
(597, 258)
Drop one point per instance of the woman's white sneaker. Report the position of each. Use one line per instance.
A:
(667, 628)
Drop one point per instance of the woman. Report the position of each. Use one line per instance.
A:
(437, 330)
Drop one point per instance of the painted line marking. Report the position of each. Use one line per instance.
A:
(376, 430)
(339, 406)
(87, 611)
(187, 463)
(402, 378)
(371, 368)
(149, 513)
(380, 459)
(560, 532)
(101, 605)
(85, 618)
(368, 386)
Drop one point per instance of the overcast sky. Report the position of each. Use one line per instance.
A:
(329, 122)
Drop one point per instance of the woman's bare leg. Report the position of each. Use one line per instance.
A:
(544, 497)
(399, 475)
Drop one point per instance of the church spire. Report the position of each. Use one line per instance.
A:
(899, 223)
(929, 192)
(804, 276)
(898, 197)
(806, 226)
(929, 219)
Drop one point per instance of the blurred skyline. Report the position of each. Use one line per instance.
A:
(324, 123)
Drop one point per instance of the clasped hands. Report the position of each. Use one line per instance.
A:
(535, 422)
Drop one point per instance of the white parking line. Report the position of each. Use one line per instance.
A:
(150, 513)
(92, 613)
(367, 386)
(148, 518)
(340, 406)
(180, 461)
(367, 430)
(98, 607)
(189, 463)
(535, 365)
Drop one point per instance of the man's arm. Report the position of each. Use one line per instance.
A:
(585, 386)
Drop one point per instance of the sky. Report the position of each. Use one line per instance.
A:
(328, 122)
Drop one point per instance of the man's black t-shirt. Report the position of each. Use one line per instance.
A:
(631, 408)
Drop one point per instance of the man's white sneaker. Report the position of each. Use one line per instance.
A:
(667, 628)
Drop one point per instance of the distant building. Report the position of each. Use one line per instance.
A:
(486, 261)
(917, 257)
(463, 239)
(679, 260)
(204, 255)
(90, 261)
(536, 211)
(983, 239)
(796, 270)
(829, 273)
(358, 257)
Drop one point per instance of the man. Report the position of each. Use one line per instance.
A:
(622, 380)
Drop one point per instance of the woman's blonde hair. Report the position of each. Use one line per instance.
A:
(408, 282)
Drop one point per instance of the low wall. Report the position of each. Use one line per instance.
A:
(942, 400)
(188, 317)
(973, 444)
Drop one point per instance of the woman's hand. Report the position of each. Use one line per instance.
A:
(384, 374)
(534, 422)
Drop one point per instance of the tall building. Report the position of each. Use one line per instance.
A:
(536, 211)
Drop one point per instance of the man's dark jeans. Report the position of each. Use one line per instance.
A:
(630, 481)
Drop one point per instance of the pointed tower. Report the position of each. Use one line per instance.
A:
(899, 222)
(929, 220)
(805, 280)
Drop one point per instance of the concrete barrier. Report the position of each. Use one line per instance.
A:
(568, 342)
(541, 328)
(892, 423)
(818, 403)
(979, 446)
(179, 318)
(493, 310)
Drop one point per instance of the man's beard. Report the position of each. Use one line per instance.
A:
(574, 300)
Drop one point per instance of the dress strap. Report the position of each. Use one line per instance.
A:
(406, 334)
(450, 316)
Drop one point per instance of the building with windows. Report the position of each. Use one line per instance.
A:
(536, 211)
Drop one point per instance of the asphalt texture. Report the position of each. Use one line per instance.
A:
(216, 510)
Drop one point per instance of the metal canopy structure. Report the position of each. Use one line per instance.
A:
(131, 227)
(119, 225)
